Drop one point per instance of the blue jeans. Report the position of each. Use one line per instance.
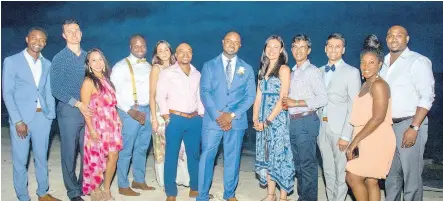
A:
(303, 134)
(189, 130)
(136, 139)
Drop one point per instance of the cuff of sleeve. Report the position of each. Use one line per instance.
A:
(214, 114)
(425, 105)
(72, 102)
(345, 138)
(16, 121)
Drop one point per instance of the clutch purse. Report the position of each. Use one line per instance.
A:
(355, 153)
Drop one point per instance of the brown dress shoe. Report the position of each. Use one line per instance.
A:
(142, 186)
(127, 192)
(48, 197)
(232, 199)
(194, 194)
(170, 198)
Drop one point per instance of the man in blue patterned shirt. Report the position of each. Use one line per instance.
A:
(67, 75)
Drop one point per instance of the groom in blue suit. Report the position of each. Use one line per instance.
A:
(31, 109)
(227, 89)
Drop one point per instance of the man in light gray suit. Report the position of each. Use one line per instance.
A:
(343, 83)
(31, 109)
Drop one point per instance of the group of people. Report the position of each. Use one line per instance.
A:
(364, 132)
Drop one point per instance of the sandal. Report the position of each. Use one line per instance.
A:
(96, 196)
(273, 195)
(107, 195)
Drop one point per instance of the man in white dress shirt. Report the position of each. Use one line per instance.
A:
(130, 77)
(410, 78)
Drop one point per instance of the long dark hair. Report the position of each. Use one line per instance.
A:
(373, 45)
(88, 71)
(156, 59)
(264, 60)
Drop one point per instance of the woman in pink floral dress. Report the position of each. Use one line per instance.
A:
(103, 139)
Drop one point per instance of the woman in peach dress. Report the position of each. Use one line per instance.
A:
(373, 136)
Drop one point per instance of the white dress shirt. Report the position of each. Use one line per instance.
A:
(122, 80)
(233, 64)
(327, 77)
(36, 69)
(411, 81)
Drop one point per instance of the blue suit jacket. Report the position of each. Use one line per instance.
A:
(216, 96)
(20, 92)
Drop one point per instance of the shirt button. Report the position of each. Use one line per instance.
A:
(35, 101)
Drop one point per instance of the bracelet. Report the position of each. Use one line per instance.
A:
(296, 103)
(18, 123)
(268, 123)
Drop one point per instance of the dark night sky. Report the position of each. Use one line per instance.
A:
(108, 25)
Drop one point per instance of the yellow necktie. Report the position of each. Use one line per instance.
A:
(141, 60)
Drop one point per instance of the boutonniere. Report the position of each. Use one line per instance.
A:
(241, 70)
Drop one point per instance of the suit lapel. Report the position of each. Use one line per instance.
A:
(336, 74)
(45, 71)
(27, 70)
(221, 71)
(236, 78)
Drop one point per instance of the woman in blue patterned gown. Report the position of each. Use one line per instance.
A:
(274, 163)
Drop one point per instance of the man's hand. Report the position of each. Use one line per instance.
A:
(22, 130)
(342, 144)
(227, 127)
(224, 119)
(167, 119)
(287, 102)
(84, 109)
(409, 138)
(137, 115)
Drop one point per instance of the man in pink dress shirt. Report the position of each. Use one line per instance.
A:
(178, 97)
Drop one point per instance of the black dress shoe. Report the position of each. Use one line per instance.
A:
(78, 198)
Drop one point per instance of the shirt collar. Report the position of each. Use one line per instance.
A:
(225, 59)
(303, 66)
(28, 56)
(133, 58)
(177, 68)
(403, 55)
(336, 64)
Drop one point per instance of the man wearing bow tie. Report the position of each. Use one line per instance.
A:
(130, 77)
(342, 83)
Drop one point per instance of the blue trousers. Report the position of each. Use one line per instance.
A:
(303, 135)
(72, 132)
(38, 132)
(189, 130)
(136, 139)
(232, 143)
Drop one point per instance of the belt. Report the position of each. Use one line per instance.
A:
(398, 120)
(300, 115)
(325, 119)
(183, 114)
(38, 110)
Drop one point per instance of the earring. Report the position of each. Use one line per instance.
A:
(104, 69)
(90, 70)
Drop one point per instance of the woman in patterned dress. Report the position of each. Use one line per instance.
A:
(162, 58)
(274, 163)
(103, 139)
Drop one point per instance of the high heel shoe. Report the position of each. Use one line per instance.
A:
(273, 195)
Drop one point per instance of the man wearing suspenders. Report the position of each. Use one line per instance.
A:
(130, 77)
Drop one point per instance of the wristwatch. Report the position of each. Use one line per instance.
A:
(296, 103)
(232, 115)
(416, 128)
